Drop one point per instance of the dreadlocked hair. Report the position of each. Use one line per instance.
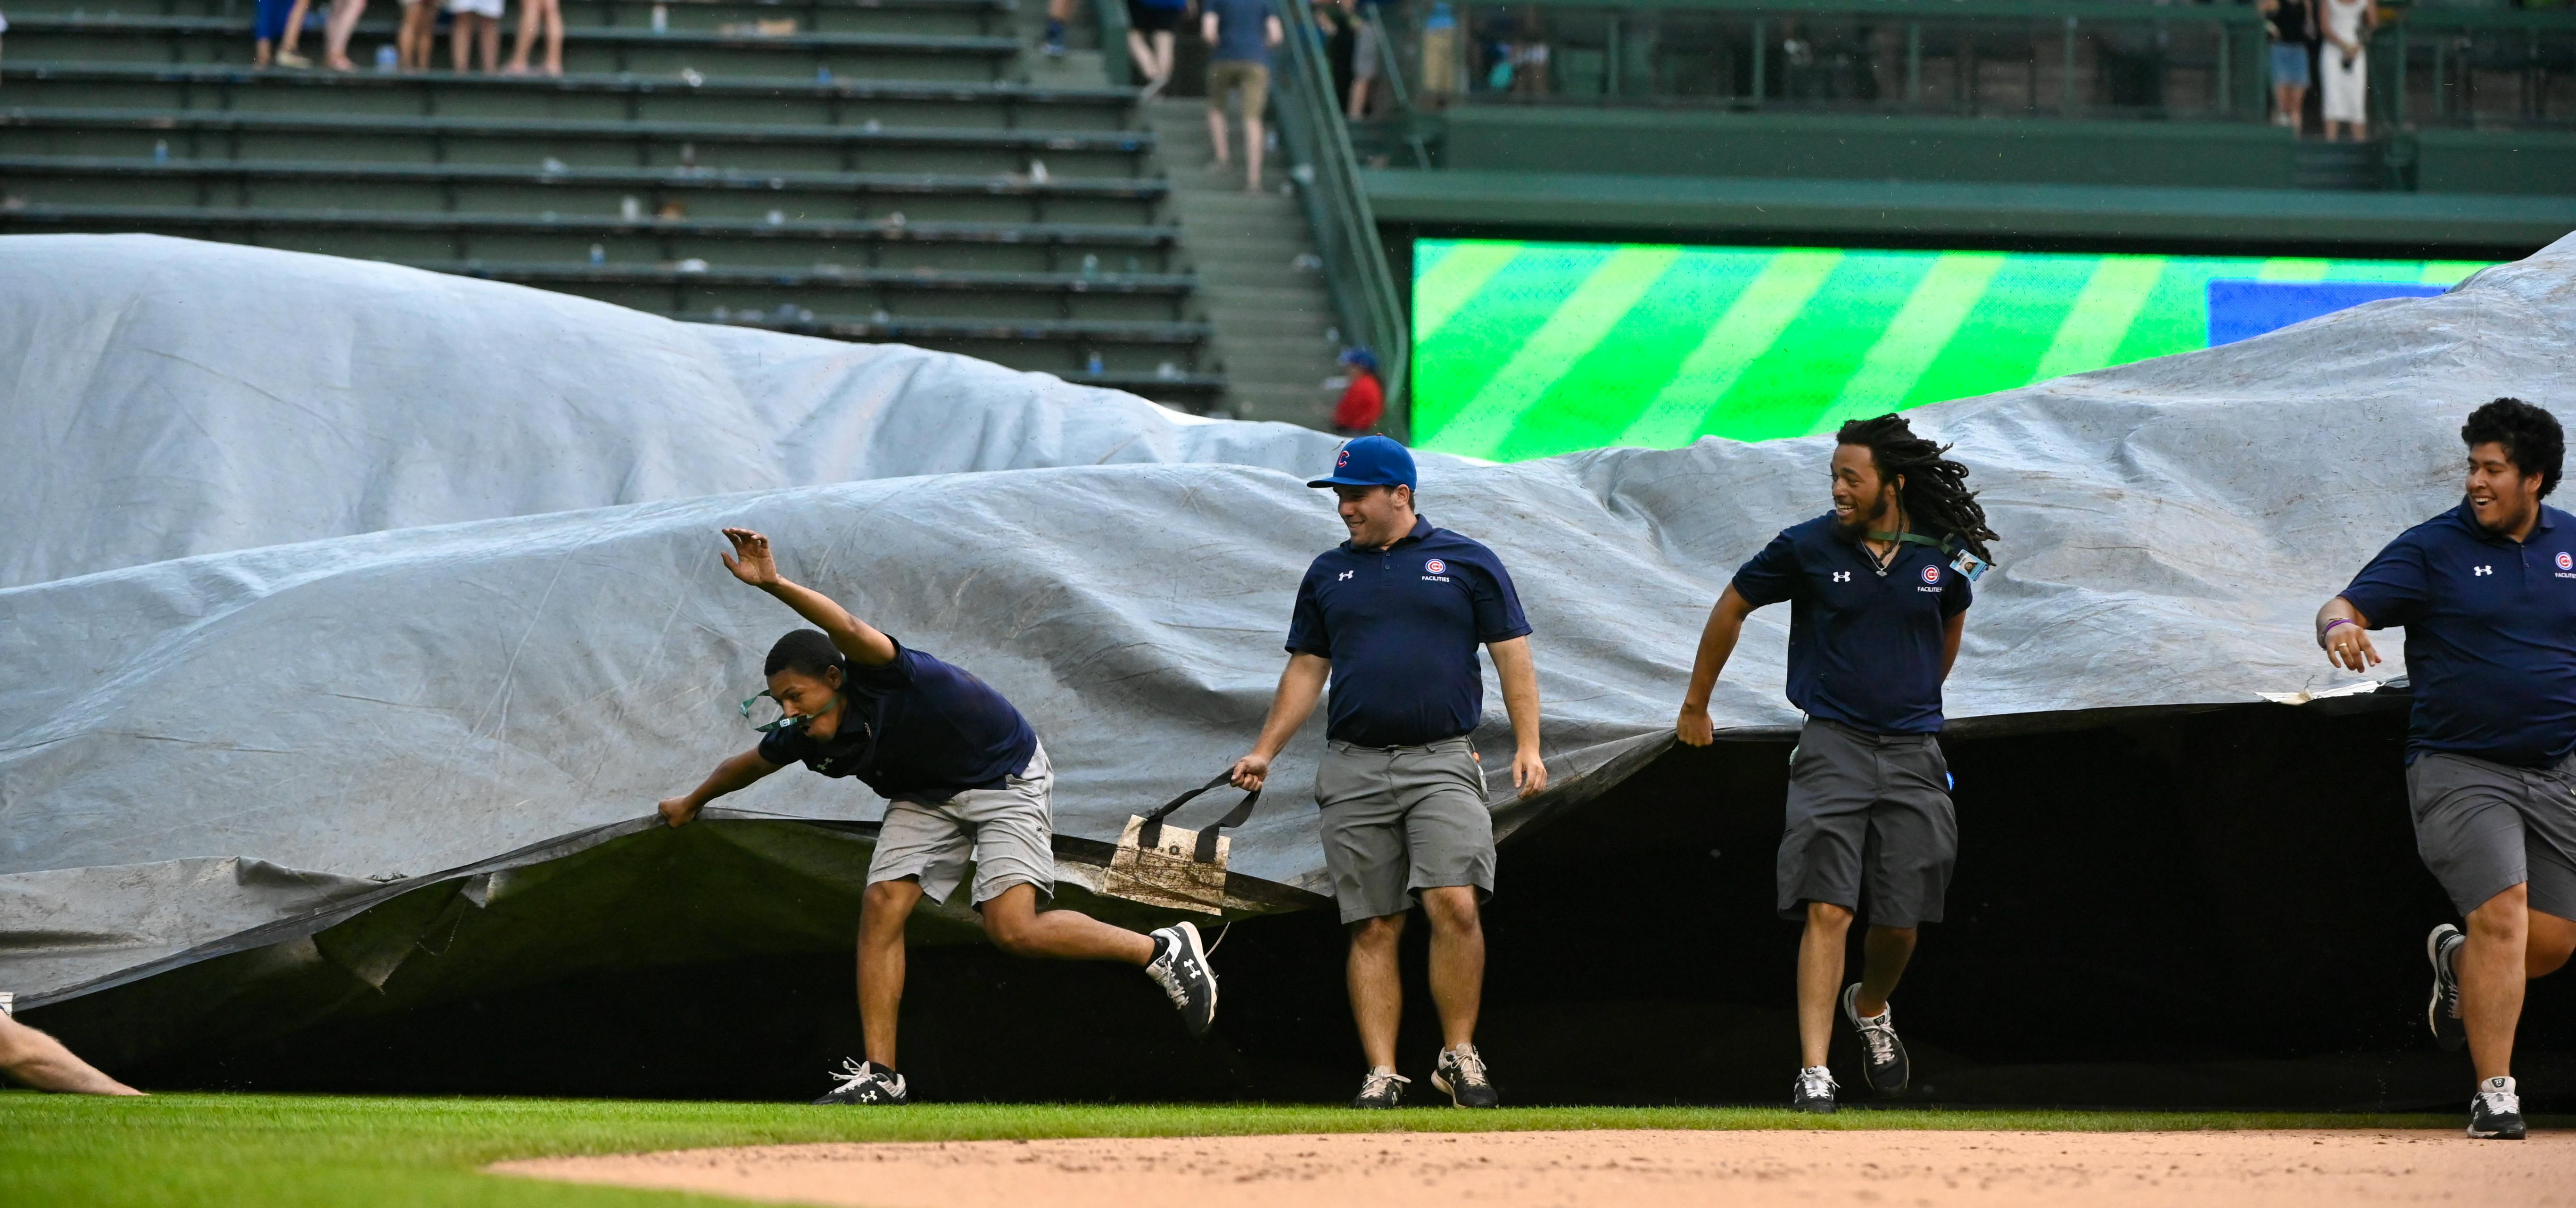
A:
(1936, 496)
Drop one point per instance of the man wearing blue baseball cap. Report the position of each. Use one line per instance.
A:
(1393, 618)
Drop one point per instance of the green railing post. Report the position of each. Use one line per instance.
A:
(2066, 78)
(1761, 45)
(1111, 15)
(1914, 64)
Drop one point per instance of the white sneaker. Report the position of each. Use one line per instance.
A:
(2495, 1112)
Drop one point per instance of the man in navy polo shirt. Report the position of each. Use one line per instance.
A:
(2487, 595)
(965, 782)
(1393, 616)
(1877, 599)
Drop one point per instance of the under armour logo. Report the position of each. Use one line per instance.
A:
(1345, 575)
(2486, 570)
(1842, 576)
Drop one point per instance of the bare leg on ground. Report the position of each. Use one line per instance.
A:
(42, 1062)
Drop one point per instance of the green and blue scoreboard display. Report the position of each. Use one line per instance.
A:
(1527, 349)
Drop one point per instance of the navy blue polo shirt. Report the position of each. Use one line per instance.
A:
(2490, 634)
(1401, 626)
(1864, 647)
(918, 730)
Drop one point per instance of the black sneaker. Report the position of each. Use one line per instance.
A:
(1382, 1089)
(866, 1082)
(2443, 1013)
(1460, 1074)
(2495, 1112)
(1882, 1054)
(1815, 1091)
(1181, 969)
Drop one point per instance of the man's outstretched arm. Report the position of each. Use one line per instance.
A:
(1301, 684)
(1716, 644)
(752, 563)
(42, 1062)
(736, 773)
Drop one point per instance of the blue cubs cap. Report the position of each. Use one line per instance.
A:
(1370, 461)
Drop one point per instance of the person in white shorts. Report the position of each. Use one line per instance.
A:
(477, 27)
(965, 782)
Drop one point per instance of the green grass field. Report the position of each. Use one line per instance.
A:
(175, 1151)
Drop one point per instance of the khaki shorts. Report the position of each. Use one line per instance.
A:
(1399, 820)
(1006, 833)
(1251, 79)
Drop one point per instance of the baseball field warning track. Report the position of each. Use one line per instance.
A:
(1622, 1169)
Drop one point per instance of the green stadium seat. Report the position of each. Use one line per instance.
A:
(124, 37)
(788, 100)
(524, 189)
(869, 170)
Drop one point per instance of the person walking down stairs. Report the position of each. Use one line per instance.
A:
(1240, 34)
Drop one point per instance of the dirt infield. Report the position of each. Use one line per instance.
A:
(1616, 1169)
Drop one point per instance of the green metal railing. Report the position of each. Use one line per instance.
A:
(2061, 58)
(1112, 18)
(1337, 207)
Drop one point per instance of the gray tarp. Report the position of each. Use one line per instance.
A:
(189, 747)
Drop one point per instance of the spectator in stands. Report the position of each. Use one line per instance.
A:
(1364, 400)
(1369, 24)
(335, 35)
(1058, 12)
(477, 27)
(2294, 34)
(40, 1061)
(273, 33)
(1240, 33)
(2344, 61)
(531, 14)
(417, 37)
(1151, 26)
(1529, 55)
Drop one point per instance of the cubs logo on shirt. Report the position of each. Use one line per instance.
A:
(2565, 562)
(1438, 567)
(1931, 574)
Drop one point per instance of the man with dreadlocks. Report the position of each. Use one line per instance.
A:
(1877, 591)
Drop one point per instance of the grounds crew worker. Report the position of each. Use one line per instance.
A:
(963, 777)
(1394, 616)
(2487, 594)
(1878, 597)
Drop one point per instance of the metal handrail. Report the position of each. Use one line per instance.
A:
(1112, 19)
(1390, 70)
(1337, 207)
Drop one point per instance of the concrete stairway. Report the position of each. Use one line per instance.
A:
(1259, 286)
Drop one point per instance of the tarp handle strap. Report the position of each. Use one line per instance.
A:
(1151, 834)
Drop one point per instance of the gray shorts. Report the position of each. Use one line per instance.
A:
(1399, 820)
(1007, 833)
(2485, 827)
(1869, 821)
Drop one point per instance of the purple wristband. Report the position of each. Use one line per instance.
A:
(2321, 634)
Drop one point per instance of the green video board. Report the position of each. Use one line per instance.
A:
(1524, 350)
